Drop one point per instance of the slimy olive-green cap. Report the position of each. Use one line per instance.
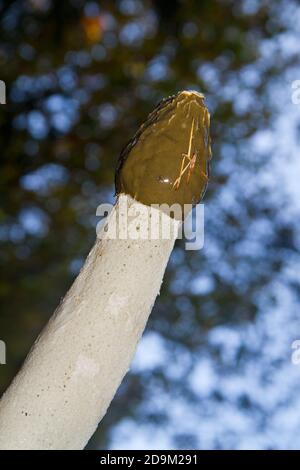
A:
(167, 160)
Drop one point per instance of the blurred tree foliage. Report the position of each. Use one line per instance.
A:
(81, 76)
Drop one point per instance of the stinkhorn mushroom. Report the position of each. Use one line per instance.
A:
(78, 362)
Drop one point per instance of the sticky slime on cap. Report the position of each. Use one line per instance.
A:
(167, 160)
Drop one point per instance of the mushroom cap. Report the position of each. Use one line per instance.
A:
(174, 137)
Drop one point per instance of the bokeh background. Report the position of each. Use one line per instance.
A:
(214, 369)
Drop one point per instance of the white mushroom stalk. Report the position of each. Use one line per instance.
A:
(74, 369)
(77, 364)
